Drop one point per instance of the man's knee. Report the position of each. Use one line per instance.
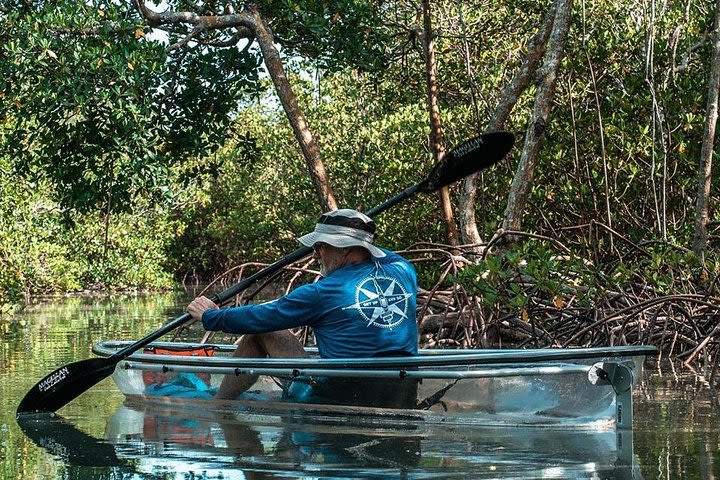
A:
(273, 344)
(268, 338)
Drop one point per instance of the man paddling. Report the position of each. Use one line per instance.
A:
(364, 306)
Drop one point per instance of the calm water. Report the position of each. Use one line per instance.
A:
(676, 431)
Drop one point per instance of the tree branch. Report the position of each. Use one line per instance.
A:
(685, 59)
(178, 45)
(702, 215)
(230, 42)
(522, 183)
(242, 21)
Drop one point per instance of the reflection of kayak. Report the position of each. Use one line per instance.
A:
(547, 387)
(151, 443)
(209, 442)
(209, 435)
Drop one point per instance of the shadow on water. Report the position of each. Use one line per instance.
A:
(151, 443)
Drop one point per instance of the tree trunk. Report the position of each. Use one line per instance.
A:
(520, 188)
(436, 134)
(508, 99)
(299, 124)
(249, 24)
(705, 170)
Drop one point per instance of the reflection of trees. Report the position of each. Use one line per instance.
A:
(46, 336)
(64, 331)
(676, 430)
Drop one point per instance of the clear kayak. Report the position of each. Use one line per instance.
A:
(567, 388)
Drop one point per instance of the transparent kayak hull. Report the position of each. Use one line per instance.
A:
(569, 388)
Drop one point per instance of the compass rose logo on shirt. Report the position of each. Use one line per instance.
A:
(381, 301)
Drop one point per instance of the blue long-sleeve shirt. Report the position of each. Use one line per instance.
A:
(360, 310)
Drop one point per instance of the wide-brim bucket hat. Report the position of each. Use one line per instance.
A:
(344, 228)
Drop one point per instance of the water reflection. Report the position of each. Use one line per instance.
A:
(147, 443)
(676, 431)
(263, 450)
(62, 439)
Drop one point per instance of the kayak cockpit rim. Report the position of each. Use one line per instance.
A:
(496, 372)
(425, 358)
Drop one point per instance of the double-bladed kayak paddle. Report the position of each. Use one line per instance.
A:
(68, 382)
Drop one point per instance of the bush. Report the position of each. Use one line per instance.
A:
(40, 253)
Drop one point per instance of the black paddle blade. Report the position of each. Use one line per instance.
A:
(65, 384)
(61, 438)
(469, 157)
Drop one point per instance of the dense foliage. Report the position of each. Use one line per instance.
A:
(193, 155)
(99, 111)
(245, 214)
(40, 253)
